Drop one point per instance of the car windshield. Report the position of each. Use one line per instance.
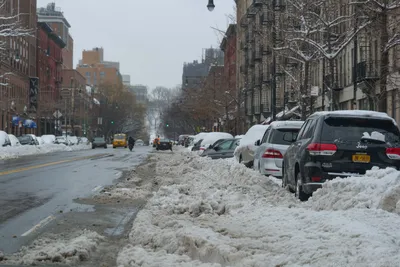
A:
(99, 139)
(283, 136)
(354, 129)
(164, 141)
(119, 137)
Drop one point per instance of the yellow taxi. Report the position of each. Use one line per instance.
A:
(120, 140)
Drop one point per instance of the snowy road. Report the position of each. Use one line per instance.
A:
(35, 190)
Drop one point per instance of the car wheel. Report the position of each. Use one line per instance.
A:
(299, 193)
(113, 146)
(105, 146)
(92, 147)
(284, 183)
(240, 158)
(126, 147)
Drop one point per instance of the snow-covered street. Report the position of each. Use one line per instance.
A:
(18, 151)
(203, 212)
(219, 213)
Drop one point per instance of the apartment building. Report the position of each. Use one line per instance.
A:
(55, 18)
(17, 100)
(330, 71)
(140, 92)
(96, 70)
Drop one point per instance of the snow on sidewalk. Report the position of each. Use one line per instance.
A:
(18, 151)
(219, 213)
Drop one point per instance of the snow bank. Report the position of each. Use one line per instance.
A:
(378, 189)
(73, 249)
(17, 151)
(219, 213)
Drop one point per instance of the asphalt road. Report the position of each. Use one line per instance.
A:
(35, 190)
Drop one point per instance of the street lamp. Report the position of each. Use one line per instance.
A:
(210, 5)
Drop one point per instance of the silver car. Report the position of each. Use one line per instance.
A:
(271, 148)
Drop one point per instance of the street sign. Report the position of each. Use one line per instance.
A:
(57, 114)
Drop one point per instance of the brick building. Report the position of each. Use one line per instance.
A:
(18, 58)
(49, 67)
(228, 45)
(75, 103)
(96, 70)
(53, 16)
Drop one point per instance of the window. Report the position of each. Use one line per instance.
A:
(281, 136)
(88, 74)
(302, 129)
(87, 80)
(102, 74)
(352, 129)
(265, 137)
(309, 132)
(225, 145)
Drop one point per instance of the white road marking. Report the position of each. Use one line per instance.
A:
(40, 224)
(97, 188)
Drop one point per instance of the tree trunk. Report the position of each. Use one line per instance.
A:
(384, 64)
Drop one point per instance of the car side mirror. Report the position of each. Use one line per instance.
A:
(216, 148)
(257, 143)
(210, 146)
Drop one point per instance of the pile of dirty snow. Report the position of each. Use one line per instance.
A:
(71, 250)
(18, 151)
(219, 213)
(378, 189)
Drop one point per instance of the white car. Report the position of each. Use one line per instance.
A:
(14, 140)
(245, 151)
(35, 139)
(139, 142)
(61, 140)
(40, 140)
(4, 139)
(73, 140)
(273, 145)
(212, 137)
(49, 139)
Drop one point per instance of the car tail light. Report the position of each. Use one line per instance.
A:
(272, 154)
(202, 148)
(393, 152)
(318, 149)
(315, 179)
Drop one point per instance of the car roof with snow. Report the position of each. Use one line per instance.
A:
(354, 113)
(286, 124)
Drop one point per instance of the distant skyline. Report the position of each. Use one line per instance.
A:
(150, 43)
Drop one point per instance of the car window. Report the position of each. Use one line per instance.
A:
(225, 145)
(302, 130)
(309, 131)
(352, 129)
(100, 139)
(280, 136)
(264, 139)
(235, 144)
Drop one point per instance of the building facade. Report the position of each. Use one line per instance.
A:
(54, 17)
(194, 74)
(96, 70)
(17, 102)
(140, 92)
(49, 69)
(75, 103)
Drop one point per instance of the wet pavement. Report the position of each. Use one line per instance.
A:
(37, 191)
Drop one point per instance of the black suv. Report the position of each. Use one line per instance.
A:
(339, 144)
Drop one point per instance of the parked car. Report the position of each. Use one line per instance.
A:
(246, 149)
(14, 140)
(272, 147)
(40, 140)
(84, 140)
(61, 140)
(28, 139)
(139, 142)
(99, 142)
(223, 149)
(189, 141)
(49, 139)
(211, 147)
(34, 138)
(164, 144)
(73, 140)
(4, 139)
(211, 138)
(339, 144)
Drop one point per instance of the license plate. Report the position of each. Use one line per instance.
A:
(361, 158)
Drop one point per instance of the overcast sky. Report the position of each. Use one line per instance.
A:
(150, 38)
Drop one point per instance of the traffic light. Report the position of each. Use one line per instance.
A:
(112, 122)
(167, 125)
